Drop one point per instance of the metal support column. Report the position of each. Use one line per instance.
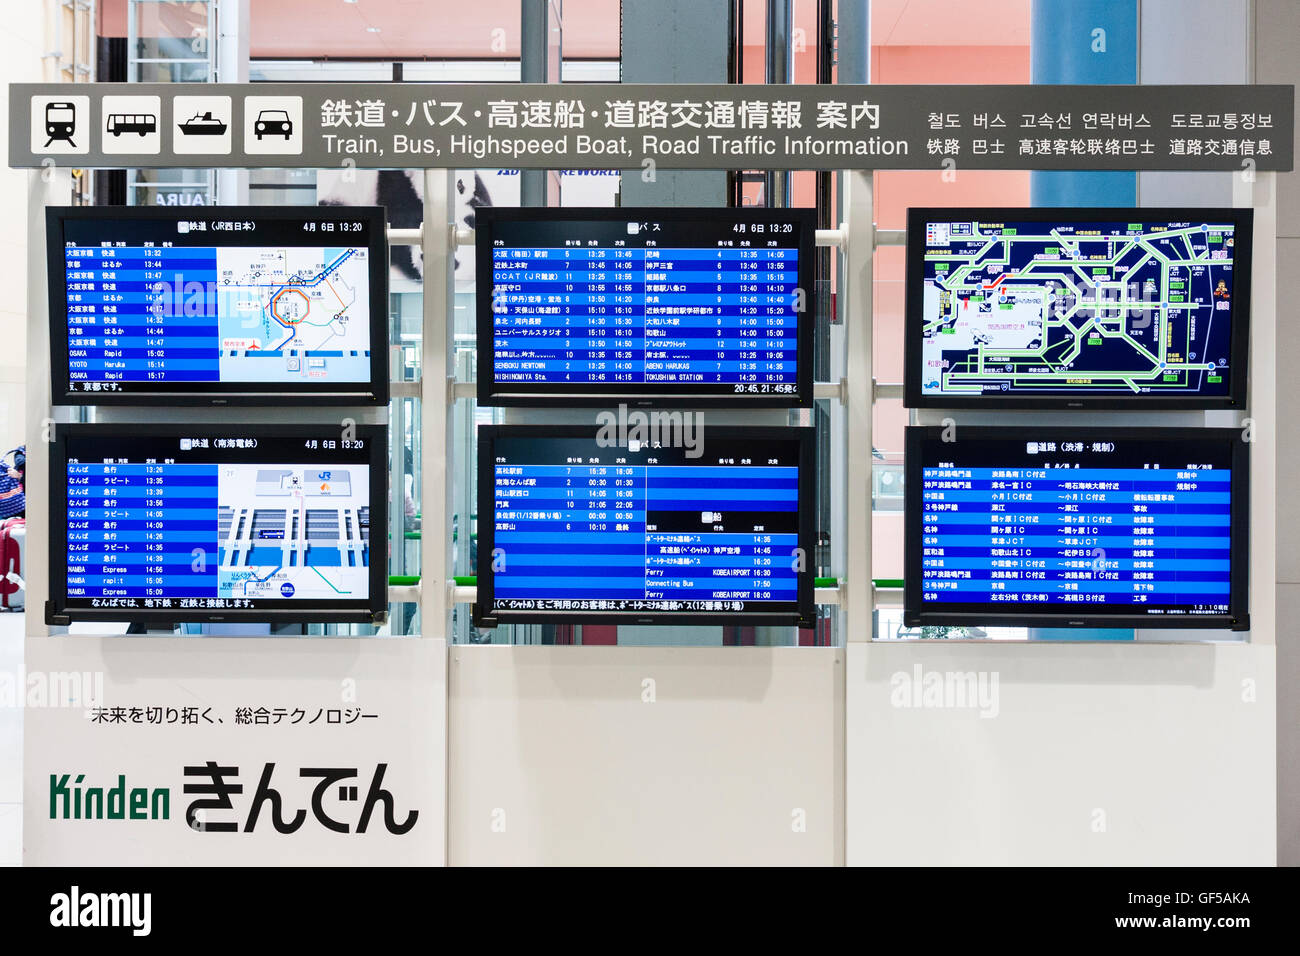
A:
(1259, 192)
(532, 69)
(857, 599)
(780, 69)
(853, 55)
(231, 66)
(436, 405)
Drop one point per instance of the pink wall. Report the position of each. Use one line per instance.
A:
(896, 191)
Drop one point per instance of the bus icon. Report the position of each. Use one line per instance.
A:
(139, 123)
(60, 122)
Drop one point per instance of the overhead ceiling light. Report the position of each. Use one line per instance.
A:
(372, 29)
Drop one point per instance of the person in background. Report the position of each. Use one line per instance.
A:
(13, 500)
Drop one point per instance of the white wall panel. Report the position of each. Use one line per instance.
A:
(555, 755)
(1096, 755)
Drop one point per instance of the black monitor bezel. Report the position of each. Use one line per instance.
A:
(371, 610)
(918, 216)
(219, 394)
(804, 616)
(916, 614)
(640, 394)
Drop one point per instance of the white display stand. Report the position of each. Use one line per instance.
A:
(747, 755)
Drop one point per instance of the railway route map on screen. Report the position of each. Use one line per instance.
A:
(1077, 308)
(288, 313)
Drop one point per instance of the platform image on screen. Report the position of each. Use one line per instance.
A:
(581, 527)
(706, 306)
(293, 531)
(1077, 309)
(1070, 522)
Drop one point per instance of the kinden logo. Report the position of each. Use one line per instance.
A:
(77, 909)
(70, 801)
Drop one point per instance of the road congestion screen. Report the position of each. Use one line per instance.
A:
(704, 304)
(1071, 526)
(585, 528)
(218, 302)
(212, 523)
(1078, 307)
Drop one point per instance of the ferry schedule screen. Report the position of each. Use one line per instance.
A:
(213, 305)
(1068, 527)
(586, 530)
(235, 523)
(707, 305)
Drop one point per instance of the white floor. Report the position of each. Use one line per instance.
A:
(11, 744)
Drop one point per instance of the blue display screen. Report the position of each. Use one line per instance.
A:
(582, 526)
(1059, 520)
(215, 521)
(214, 301)
(704, 306)
(1139, 307)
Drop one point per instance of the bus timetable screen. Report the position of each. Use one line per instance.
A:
(215, 301)
(710, 303)
(1130, 307)
(586, 530)
(209, 522)
(1064, 523)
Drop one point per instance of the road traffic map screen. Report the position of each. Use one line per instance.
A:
(217, 305)
(217, 523)
(699, 306)
(1078, 307)
(594, 528)
(1056, 526)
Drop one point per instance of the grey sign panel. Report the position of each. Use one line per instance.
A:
(636, 126)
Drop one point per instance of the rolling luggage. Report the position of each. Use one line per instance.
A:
(13, 555)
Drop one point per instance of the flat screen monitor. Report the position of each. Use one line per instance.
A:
(218, 305)
(683, 307)
(218, 523)
(1077, 308)
(1059, 526)
(589, 528)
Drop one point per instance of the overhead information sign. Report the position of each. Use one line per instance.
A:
(631, 126)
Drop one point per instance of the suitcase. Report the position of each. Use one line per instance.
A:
(13, 555)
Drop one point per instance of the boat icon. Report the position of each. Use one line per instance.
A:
(204, 125)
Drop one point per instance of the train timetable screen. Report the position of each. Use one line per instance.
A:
(210, 522)
(1075, 525)
(706, 303)
(215, 302)
(1110, 308)
(586, 530)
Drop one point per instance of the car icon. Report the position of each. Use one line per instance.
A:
(273, 122)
